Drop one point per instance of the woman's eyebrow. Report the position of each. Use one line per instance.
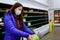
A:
(20, 9)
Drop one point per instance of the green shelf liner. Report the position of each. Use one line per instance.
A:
(2, 10)
(37, 20)
(2, 24)
(38, 23)
(3, 33)
(34, 16)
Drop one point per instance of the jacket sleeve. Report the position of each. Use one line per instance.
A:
(10, 27)
(26, 29)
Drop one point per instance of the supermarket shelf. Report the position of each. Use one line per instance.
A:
(1, 24)
(57, 17)
(35, 16)
(36, 12)
(36, 20)
(3, 33)
(56, 24)
(2, 10)
(38, 23)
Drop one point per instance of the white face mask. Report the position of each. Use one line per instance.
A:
(17, 12)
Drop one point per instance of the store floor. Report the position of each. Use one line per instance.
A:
(55, 35)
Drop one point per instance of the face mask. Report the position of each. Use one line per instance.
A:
(17, 12)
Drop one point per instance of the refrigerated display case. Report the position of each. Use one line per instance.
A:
(35, 19)
(57, 16)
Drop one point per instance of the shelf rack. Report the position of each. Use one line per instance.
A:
(35, 17)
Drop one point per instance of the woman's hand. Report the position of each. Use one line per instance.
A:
(30, 37)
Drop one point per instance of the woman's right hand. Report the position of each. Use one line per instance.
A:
(30, 37)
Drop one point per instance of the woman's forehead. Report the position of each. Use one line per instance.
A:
(20, 8)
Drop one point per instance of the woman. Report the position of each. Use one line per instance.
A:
(14, 26)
